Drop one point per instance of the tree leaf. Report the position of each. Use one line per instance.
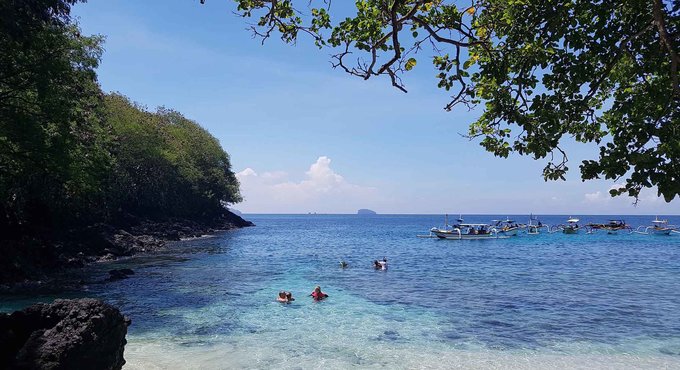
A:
(410, 64)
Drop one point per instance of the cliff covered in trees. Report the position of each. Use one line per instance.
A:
(73, 158)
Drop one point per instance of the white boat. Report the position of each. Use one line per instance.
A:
(468, 232)
(445, 229)
(534, 226)
(659, 227)
(506, 227)
(571, 227)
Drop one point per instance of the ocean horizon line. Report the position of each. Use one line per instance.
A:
(454, 214)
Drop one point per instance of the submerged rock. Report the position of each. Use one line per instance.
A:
(67, 334)
(120, 274)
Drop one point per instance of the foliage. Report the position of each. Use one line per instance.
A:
(596, 71)
(166, 165)
(51, 147)
(71, 156)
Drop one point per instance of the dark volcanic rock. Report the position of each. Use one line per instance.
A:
(34, 258)
(67, 334)
(120, 274)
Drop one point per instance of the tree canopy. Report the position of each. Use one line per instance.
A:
(165, 164)
(71, 156)
(51, 143)
(602, 72)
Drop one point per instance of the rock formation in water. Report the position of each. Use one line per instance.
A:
(67, 334)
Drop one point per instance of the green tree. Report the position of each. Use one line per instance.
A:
(165, 165)
(71, 156)
(52, 148)
(604, 72)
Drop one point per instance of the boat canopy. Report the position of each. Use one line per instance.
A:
(573, 220)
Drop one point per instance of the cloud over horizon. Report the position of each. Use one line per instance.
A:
(321, 190)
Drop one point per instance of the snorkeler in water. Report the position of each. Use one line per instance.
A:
(317, 294)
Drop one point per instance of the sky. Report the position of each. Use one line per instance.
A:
(304, 137)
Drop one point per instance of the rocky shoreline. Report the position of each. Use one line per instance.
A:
(102, 242)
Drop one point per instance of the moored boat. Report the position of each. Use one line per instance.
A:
(534, 226)
(612, 227)
(571, 227)
(659, 227)
(506, 227)
(467, 232)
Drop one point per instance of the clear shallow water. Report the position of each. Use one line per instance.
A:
(561, 301)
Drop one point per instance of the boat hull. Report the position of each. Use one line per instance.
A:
(570, 231)
(660, 231)
(452, 235)
(510, 232)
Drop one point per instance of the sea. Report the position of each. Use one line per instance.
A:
(547, 301)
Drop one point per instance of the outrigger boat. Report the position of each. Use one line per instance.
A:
(612, 227)
(506, 227)
(571, 227)
(534, 228)
(468, 232)
(659, 227)
(447, 228)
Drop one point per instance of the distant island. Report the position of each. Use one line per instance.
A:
(366, 212)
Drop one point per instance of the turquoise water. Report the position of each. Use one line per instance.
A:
(551, 300)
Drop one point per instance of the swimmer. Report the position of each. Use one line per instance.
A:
(377, 265)
(383, 264)
(282, 297)
(317, 294)
(344, 264)
(289, 297)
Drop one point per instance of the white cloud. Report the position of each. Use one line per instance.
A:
(321, 190)
(649, 202)
(246, 173)
(594, 197)
(275, 176)
(605, 196)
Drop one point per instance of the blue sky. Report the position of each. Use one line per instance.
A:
(304, 137)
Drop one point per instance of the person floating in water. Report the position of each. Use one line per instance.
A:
(317, 294)
(377, 265)
(344, 264)
(383, 264)
(285, 297)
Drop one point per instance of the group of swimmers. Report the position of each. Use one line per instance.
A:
(378, 265)
(287, 297)
(317, 294)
